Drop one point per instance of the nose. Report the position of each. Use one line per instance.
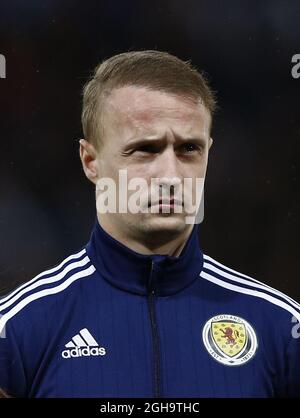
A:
(168, 170)
(168, 164)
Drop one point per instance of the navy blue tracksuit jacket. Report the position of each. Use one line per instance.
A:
(109, 322)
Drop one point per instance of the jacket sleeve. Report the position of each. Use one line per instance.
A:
(12, 373)
(293, 364)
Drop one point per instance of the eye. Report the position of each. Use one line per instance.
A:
(147, 149)
(190, 147)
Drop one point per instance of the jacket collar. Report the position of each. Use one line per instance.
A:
(143, 274)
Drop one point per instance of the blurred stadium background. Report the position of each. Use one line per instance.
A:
(245, 47)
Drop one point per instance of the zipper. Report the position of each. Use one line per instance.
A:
(155, 337)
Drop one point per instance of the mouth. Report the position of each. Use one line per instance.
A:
(166, 202)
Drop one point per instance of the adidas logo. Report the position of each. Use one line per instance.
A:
(83, 345)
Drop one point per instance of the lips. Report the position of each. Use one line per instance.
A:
(166, 202)
(170, 202)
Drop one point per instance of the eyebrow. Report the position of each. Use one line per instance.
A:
(160, 141)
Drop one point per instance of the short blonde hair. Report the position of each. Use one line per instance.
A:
(154, 69)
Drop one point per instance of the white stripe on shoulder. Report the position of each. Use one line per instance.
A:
(251, 292)
(46, 292)
(250, 280)
(44, 273)
(48, 280)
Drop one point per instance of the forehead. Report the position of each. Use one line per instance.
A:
(133, 107)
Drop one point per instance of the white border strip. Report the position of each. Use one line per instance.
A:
(247, 277)
(250, 283)
(256, 293)
(43, 293)
(52, 270)
(48, 280)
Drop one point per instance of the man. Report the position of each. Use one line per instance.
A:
(140, 311)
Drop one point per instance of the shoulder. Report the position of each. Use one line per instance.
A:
(44, 289)
(267, 299)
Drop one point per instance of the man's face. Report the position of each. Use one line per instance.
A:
(152, 135)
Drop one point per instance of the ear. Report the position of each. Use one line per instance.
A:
(88, 156)
(210, 142)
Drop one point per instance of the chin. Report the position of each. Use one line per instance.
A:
(166, 223)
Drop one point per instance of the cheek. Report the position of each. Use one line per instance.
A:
(109, 166)
(195, 168)
(142, 171)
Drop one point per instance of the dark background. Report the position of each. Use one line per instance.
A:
(47, 206)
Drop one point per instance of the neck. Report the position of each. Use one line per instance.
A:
(160, 243)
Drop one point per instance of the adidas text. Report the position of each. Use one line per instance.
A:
(84, 352)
